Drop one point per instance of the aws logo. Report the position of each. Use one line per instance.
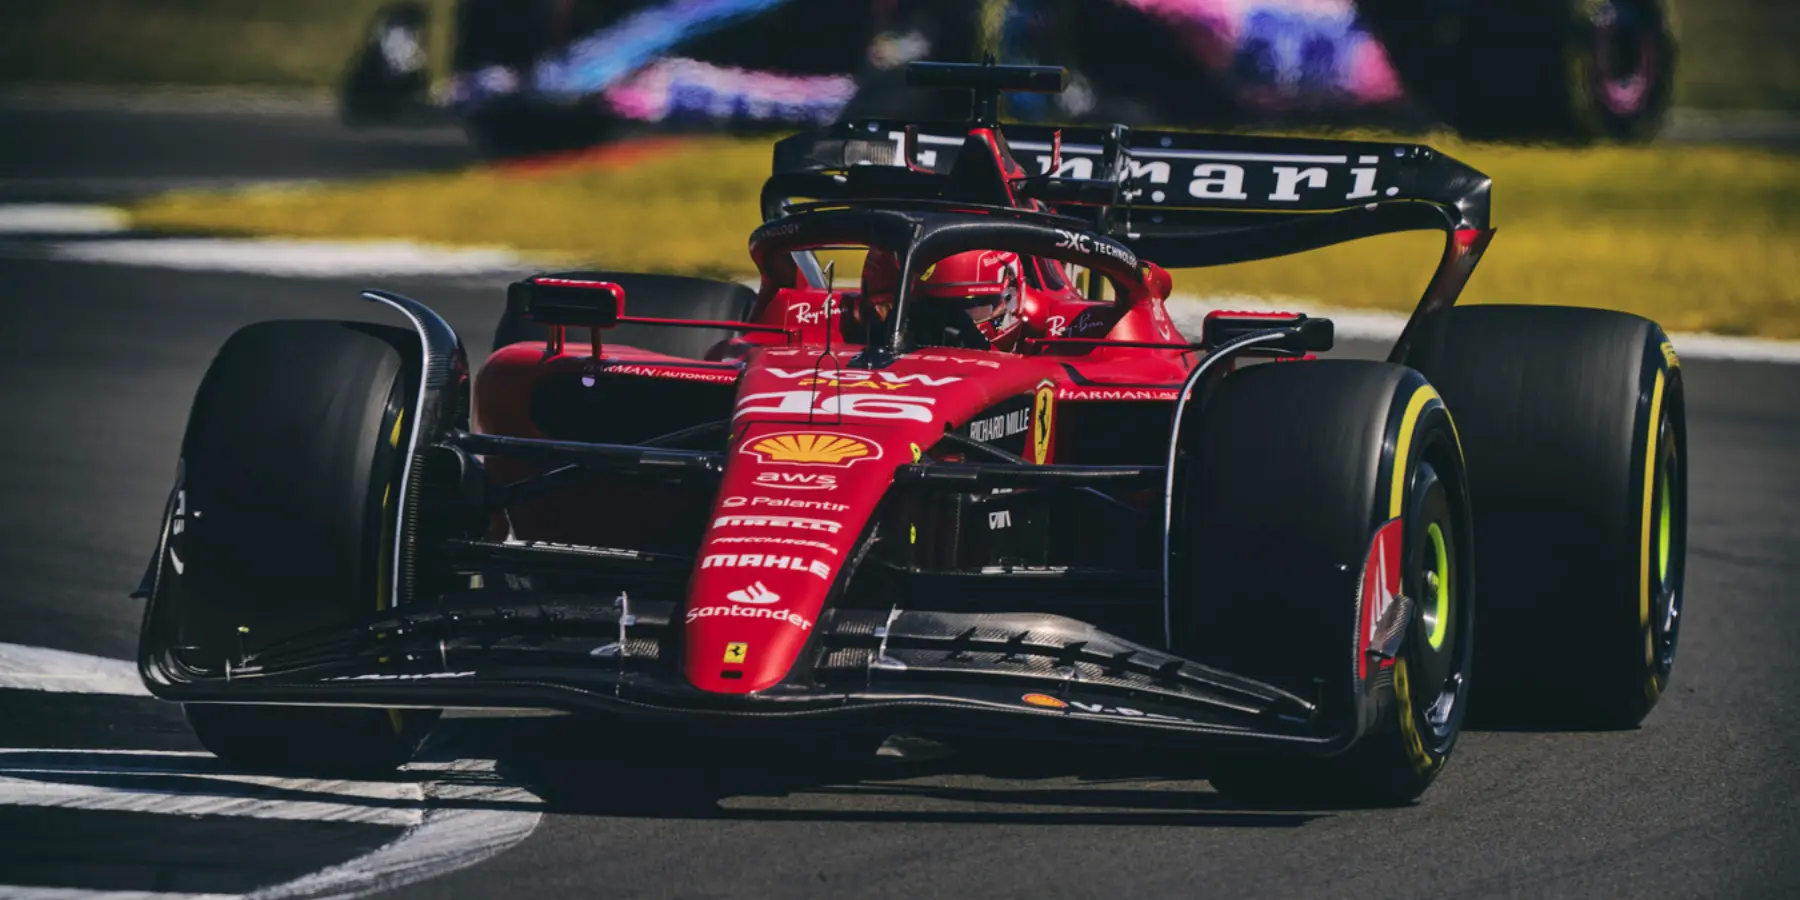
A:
(798, 481)
(812, 448)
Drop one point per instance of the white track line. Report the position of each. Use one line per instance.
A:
(455, 814)
(60, 218)
(446, 826)
(292, 258)
(32, 892)
(60, 672)
(446, 839)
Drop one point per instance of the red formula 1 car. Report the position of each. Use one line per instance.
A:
(992, 494)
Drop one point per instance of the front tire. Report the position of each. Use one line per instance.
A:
(1296, 480)
(293, 451)
(1577, 432)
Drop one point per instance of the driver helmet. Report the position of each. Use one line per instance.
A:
(984, 284)
(977, 287)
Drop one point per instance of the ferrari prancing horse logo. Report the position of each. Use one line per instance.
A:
(1042, 422)
(735, 652)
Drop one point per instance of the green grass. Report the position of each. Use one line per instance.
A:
(281, 43)
(1701, 239)
(1738, 54)
(684, 210)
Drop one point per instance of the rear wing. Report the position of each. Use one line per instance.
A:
(1182, 200)
(1144, 183)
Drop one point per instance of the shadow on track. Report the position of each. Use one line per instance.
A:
(583, 767)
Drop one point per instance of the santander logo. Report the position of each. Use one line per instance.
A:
(757, 593)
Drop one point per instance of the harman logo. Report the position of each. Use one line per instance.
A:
(812, 448)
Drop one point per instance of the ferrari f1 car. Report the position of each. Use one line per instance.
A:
(990, 494)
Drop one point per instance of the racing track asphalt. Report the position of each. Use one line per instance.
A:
(108, 147)
(99, 363)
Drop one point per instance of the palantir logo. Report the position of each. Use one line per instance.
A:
(757, 593)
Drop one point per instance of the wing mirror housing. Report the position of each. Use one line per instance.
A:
(567, 300)
(1304, 333)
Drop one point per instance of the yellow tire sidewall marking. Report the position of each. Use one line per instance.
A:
(1650, 447)
(1409, 729)
(1416, 405)
(1409, 422)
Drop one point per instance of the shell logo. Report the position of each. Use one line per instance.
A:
(1044, 700)
(812, 448)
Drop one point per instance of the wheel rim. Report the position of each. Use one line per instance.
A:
(1435, 602)
(1436, 644)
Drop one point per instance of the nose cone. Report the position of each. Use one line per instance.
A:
(791, 507)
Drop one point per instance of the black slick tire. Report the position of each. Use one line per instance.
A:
(1575, 423)
(1287, 480)
(655, 296)
(291, 462)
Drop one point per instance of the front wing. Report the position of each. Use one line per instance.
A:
(1009, 674)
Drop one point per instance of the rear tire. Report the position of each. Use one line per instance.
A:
(659, 296)
(1290, 475)
(1576, 427)
(293, 451)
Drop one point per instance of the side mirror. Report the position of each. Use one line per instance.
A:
(1305, 334)
(568, 299)
(1158, 279)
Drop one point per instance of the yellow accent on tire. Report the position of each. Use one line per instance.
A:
(1403, 447)
(1409, 729)
(1650, 446)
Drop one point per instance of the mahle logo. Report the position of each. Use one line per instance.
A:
(812, 448)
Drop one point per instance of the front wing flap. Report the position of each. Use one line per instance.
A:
(999, 672)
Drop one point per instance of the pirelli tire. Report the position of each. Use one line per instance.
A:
(1291, 479)
(654, 296)
(290, 472)
(1575, 422)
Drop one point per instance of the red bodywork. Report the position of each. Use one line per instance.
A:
(814, 444)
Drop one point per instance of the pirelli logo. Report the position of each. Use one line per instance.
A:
(795, 522)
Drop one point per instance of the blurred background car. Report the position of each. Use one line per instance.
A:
(533, 75)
